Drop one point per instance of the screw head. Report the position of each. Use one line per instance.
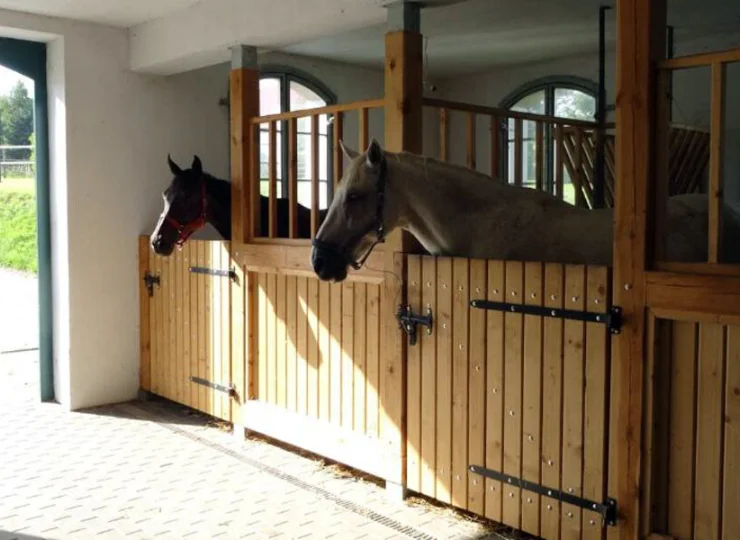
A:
(553, 297)
(627, 286)
(511, 495)
(513, 293)
(570, 514)
(549, 507)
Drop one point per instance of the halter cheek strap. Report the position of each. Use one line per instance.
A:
(185, 230)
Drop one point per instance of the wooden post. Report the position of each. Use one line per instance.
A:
(403, 132)
(244, 106)
(640, 46)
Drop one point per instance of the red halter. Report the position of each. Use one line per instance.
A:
(185, 230)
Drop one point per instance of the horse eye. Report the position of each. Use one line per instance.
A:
(354, 196)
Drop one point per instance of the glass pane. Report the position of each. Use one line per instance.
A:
(574, 104)
(270, 96)
(302, 98)
(532, 103)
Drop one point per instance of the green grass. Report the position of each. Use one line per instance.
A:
(18, 224)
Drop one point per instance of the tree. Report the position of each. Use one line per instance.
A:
(16, 117)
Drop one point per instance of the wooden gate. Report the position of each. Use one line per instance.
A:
(186, 322)
(525, 395)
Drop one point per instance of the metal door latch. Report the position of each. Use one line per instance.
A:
(408, 321)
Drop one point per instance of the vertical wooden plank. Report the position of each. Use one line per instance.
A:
(539, 155)
(272, 167)
(145, 324)
(335, 381)
(315, 199)
(358, 353)
(518, 151)
(552, 396)
(193, 316)
(373, 360)
(167, 315)
(225, 328)
(325, 349)
(178, 373)
(338, 125)
(559, 161)
(211, 309)
(573, 384)
(731, 464)
(291, 381)
(513, 342)
(712, 350)
(215, 325)
(272, 375)
(204, 335)
(242, 335)
(477, 388)
(155, 328)
(716, 160)
(443, 329)
(443, 135)
(460, 319)
(280, 341)
(595, 400)
(532, 396)
(364, 128)
(495, 146)
(470, 143)
(413, 379)
(186, 332)
(304, 329)
(428, 345)
(315, 357)
(293, 178)
(578, 168)
(262, 311)
(682, 429)
(348, 369)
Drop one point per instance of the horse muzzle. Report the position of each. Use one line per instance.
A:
(328, 262)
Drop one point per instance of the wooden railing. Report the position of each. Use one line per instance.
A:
(301, 221)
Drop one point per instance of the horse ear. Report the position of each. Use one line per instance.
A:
(348, 152)
(374, 153)
(197, 166)
(177, 171)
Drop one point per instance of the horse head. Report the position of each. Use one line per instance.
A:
(358, 218)
(185, 208)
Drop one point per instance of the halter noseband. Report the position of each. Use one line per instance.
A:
(185, 230)
(379, 228)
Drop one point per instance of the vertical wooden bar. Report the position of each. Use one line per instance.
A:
(443, 330)
(552, 399)
(293, 178)
(325, 346)
(682, 429)
(372, 374)
(215, 325)
(204, 335)
(314, 175)
(145, 306)
(185, 306)
(304, 330)
(495, 146)
(578, 168)
(540, 156)
(281, 371)
(291, 308)
(262, 313)
(177, 306)
(712, 351)
(168, 314)
(271, 335)
(532, 396)
(495, 389)
(518, 151)
(348, 369)
(338, 154)
(444, 136)
(428, 344)
(314, 354)
(716, 160)
(254, 227)
(359, 347)
(559, 161)
(640, 45)
(731, 464)
(155, 330)
(272, 167)
(513, 349)
(403, 132)
(460, 359)
(470, 143)
(413, 361)
(225, 328)
(477, 388)
(364, 128)
(335, 377)
(663, 156)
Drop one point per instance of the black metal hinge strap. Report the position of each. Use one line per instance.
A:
(612, 318)
(231, 274)
(408, 321)
(151, 280)
(607, 509)
(230, 389)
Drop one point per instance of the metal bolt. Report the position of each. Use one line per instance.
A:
(444, 285)
(513, 293)
(511, 495)
(513, 308)
(531, 437)
(570, 514)
(549, 493)
(493, 488)
(549, 462)
(460, 347)
(511, 412)
(509, 480)
(477, 368)
(575, 299)
(444, 325)
(553, 297)
(533, 295)
(495, 291)
(627, 286)
(570, 490)
(597, 301)
(529, 500)
(429, 283)
(457, 477)
(477, 289)
(460, 288)
(592, 522)
(598, 318)
(552, 313)
(495, 390)
(549, 507)
(475, 482)
(413, 283)
(593, 506)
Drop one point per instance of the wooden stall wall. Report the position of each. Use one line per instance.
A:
(522, 394)
(694, 446)
(188, 331)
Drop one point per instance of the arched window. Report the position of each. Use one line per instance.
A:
(562, 96)
(284, 90)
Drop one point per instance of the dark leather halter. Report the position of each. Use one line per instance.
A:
(185, 230)
(378, 226)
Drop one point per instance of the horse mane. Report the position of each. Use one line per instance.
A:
(442, 167)
(221, 189)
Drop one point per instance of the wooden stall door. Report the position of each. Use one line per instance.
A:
(186, 347)
(516, 393)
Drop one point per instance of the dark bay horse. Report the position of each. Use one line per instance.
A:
(195, 198)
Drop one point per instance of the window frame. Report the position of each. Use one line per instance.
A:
(286, 75)
(547, 84)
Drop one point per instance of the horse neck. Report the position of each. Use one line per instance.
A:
(219, 205)
(430, 195)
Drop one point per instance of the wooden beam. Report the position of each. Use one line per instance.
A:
(640, 46)
(716, 159)
(403, 132)
(145, 374)
(244, 106)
